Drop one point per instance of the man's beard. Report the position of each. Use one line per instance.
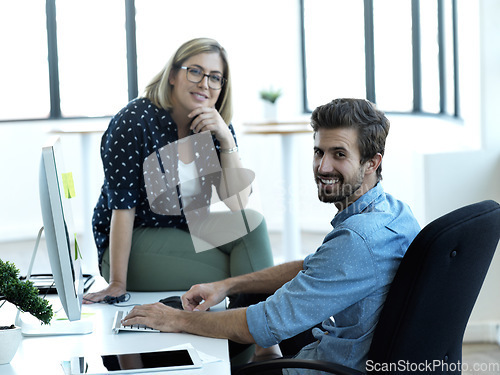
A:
(340, 191)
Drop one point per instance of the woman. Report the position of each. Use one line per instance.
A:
(152, 239)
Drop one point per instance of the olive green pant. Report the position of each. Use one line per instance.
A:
(165, 259)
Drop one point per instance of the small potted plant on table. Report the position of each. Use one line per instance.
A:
(25, 297)
(270, 97)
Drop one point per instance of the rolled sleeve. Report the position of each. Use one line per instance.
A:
(258, 327)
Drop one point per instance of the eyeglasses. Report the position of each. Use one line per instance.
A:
(196, 75)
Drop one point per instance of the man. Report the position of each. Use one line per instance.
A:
(344, 283)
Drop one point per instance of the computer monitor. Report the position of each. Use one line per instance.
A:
(56, 191)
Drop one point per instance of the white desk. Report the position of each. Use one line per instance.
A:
(43, 355)
(291, 223)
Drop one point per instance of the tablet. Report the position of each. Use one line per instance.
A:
(163, 360)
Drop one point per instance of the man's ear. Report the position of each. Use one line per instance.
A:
(373, 164)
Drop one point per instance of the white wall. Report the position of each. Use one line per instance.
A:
(20, 145)
(459, 178)
(432, 164)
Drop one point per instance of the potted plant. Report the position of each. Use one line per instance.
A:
(270, 96)
(25, 297)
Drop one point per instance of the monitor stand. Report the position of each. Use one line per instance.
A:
(30, 326)
(59, 325)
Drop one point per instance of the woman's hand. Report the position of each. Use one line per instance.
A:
(113, 290)
(209, 119)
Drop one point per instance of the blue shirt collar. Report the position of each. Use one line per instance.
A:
(366, 200)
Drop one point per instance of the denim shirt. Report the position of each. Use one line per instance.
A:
(343, 284)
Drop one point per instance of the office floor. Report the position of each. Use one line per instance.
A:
(481, 358)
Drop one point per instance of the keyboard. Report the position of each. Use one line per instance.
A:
(118, 326)
(45, 284)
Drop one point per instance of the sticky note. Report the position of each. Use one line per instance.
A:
(83, 315)
(77, 250)
(68, 185)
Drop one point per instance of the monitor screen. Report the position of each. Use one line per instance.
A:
(56, 191)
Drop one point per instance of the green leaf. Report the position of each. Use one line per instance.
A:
(23, 294)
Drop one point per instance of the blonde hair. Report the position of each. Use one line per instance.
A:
(159, 90)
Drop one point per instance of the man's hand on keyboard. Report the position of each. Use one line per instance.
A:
(156, 315)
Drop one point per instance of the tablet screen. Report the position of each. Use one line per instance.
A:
(148, 360)
(136, 362)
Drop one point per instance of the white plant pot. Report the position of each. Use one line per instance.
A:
(9, 342)
(270, 111)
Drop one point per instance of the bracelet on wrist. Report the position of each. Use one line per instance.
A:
(228, 150)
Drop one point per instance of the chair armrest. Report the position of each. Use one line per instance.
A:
(260, 367)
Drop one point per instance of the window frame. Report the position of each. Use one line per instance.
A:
(370, 83)
(132, 71)
(55, 112)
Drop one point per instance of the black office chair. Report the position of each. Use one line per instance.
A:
(430, 300)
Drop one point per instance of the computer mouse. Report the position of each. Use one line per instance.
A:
(173, 301)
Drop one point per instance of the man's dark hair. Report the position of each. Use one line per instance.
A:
(371, 124)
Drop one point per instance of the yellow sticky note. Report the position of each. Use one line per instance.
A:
(77, 250)
(68, 185)
(83, 315)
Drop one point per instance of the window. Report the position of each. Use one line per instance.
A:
(71, 59)
(400, 54)
(393, 55)
(91, 47)
(24, 73)
(334, 68)
(62, 59)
